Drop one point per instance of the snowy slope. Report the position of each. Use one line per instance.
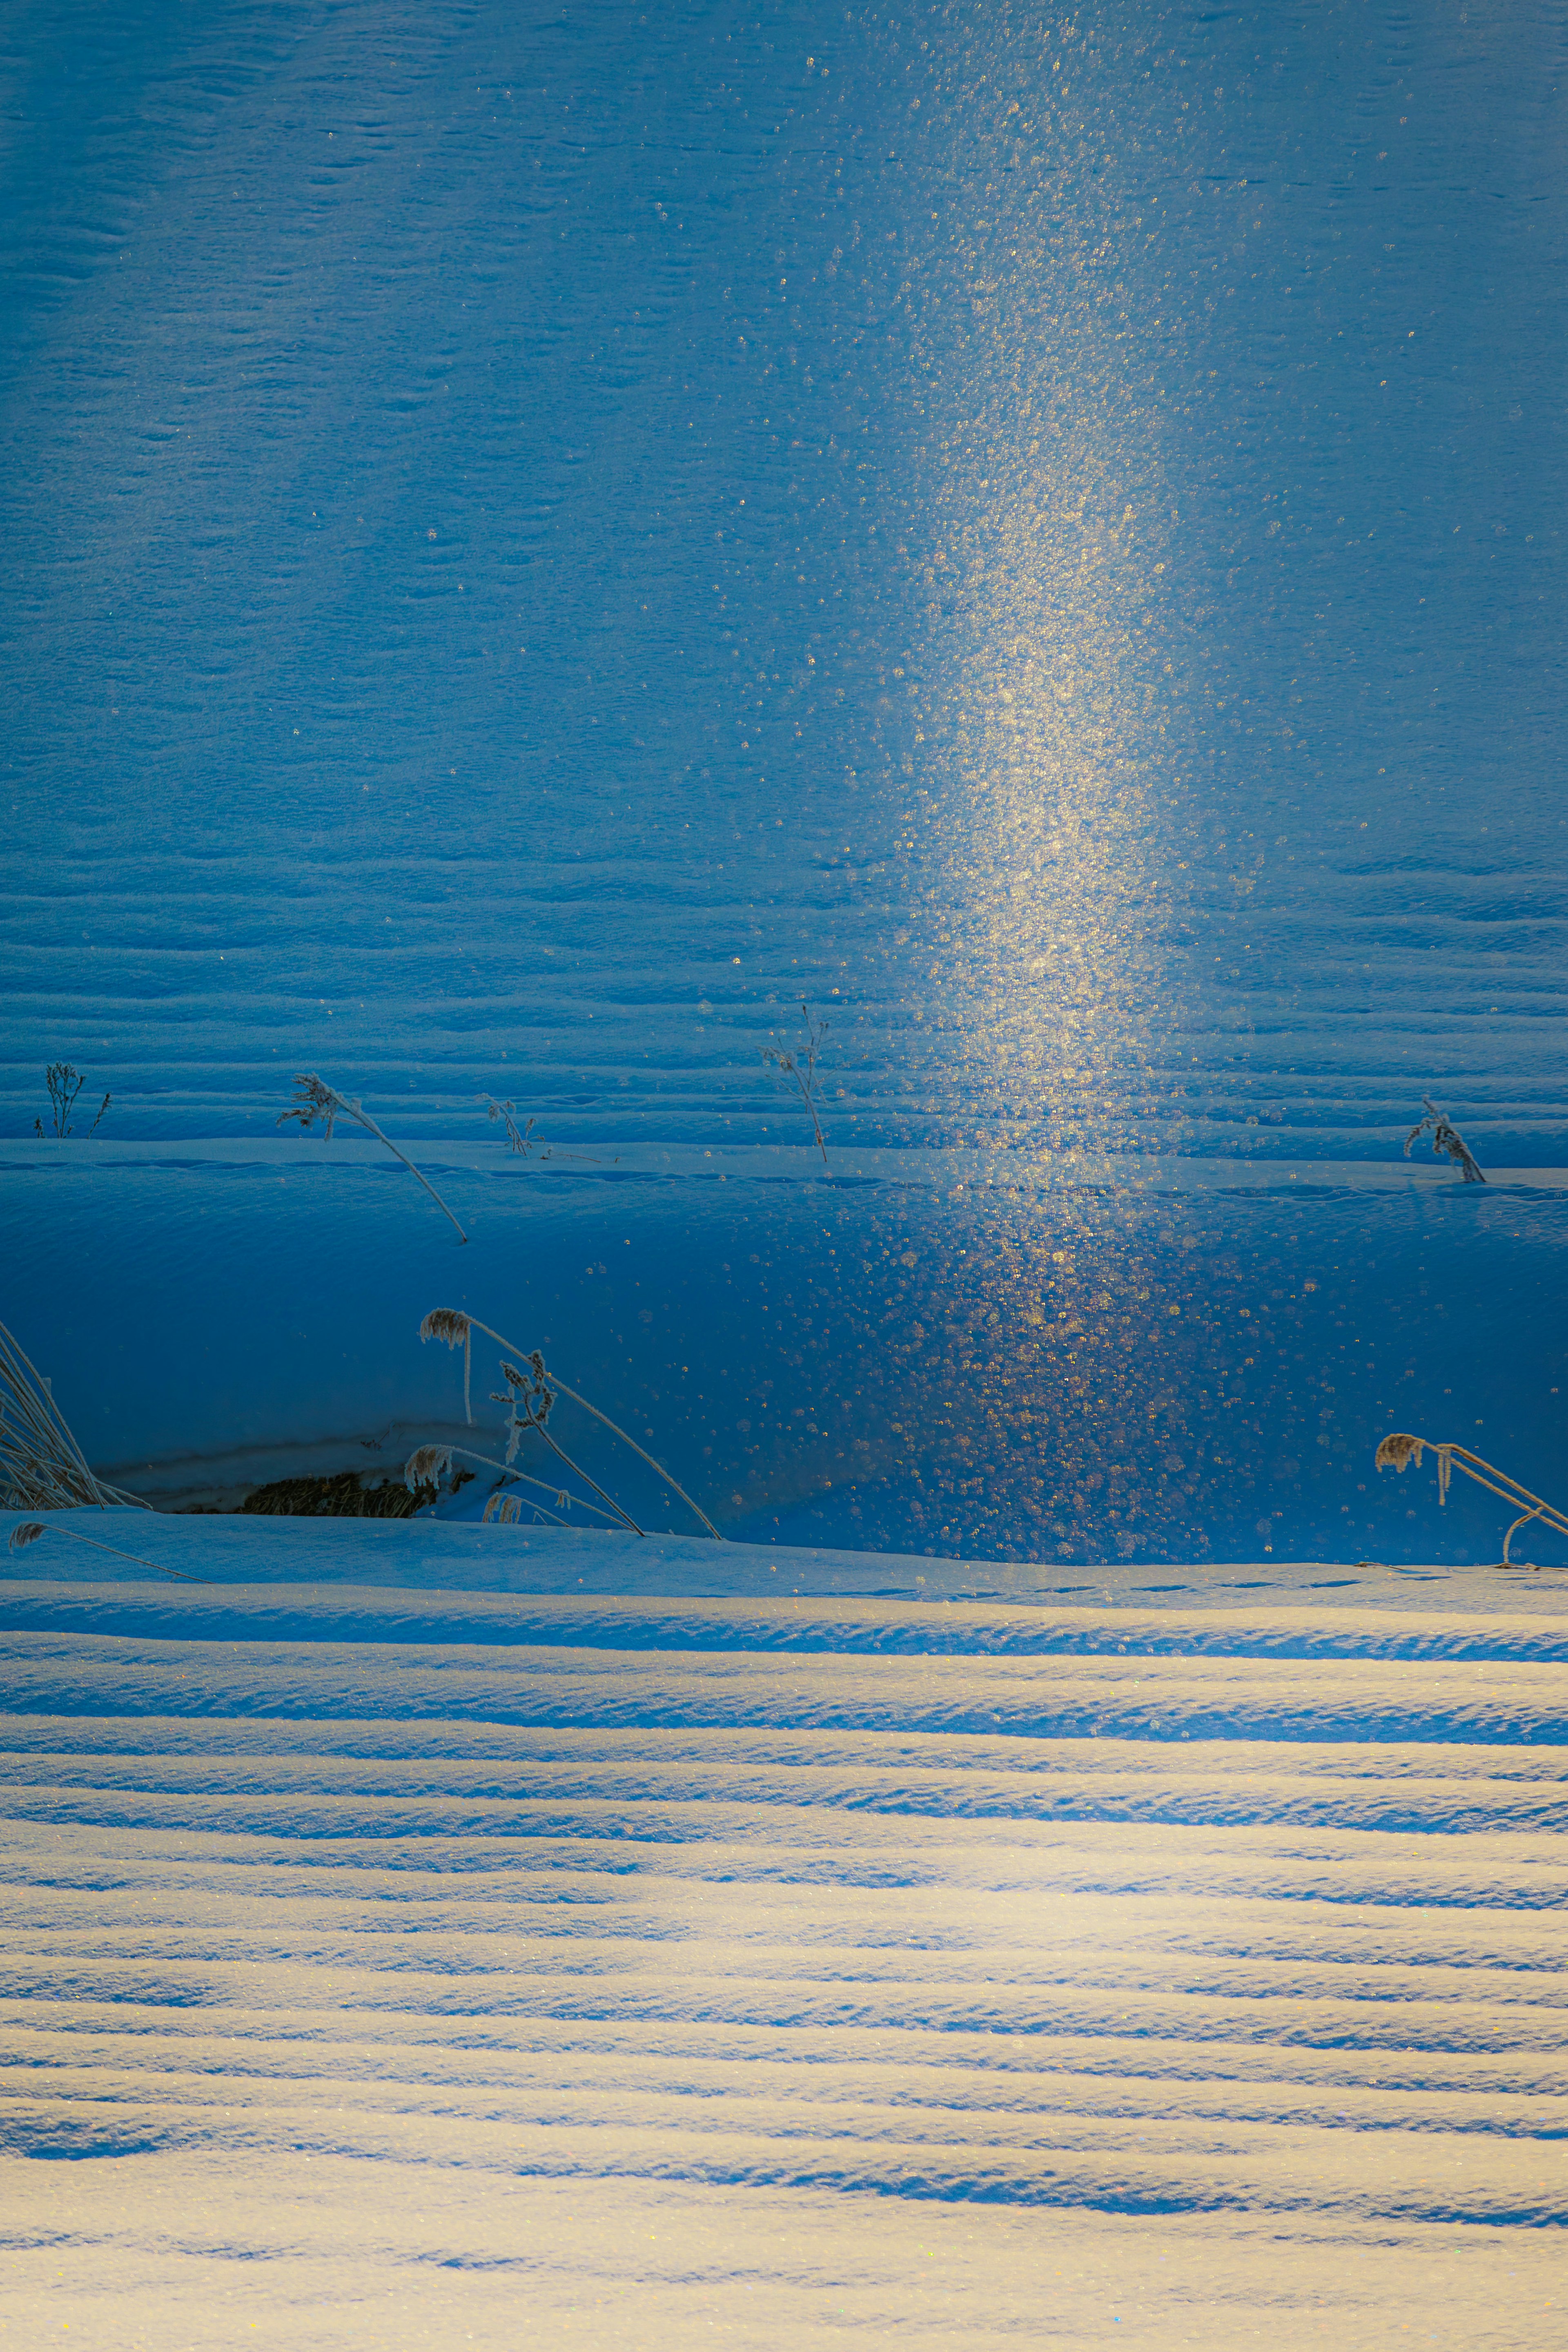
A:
(545, 536)
(607, 1957)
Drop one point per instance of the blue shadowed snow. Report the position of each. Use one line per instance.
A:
(542, 539)
(996, 1367)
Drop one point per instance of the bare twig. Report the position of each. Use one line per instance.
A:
(1446, 1138)
(315, 1099)
(1399, 1449)
(799, 1064)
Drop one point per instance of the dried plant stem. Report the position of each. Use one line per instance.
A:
(517, 1136)
(64, 1085)
(611, 1509)
(802, 1068)
(42, 1467)
(609, 1501)
(1447, 1139)
(30, 1532)
(451, 1324)
(1400, 1448)
(317, 1100)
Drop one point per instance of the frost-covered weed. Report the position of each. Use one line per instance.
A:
(523, 1140)
(315, 1099)
(42, 1467)
(529, 1397)
(799, 1065)
(517, 1136)
(1399, 1449)
(1446, 1138)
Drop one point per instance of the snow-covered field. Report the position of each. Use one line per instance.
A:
(426, 1934)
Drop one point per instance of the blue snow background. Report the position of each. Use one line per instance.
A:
(539, 537)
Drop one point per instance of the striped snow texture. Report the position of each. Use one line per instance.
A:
(634, 1971)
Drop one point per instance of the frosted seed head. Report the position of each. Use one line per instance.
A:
(26, 1533)
(448, 1323)
(427, 1466)
(313, 1099)
(1397, 1449)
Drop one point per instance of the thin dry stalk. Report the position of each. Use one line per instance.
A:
(451, 1324)
(428, 1465)
(315, 1099)
(42, 1467)
(799, 1065)
(531, 1391)
(1399, 1449)
(1447, 1139)
(446, 1323)
(30, 1530)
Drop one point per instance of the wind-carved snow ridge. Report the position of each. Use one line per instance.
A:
(1235, 1925)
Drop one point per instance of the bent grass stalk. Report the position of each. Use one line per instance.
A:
(451, 1324)
(1399, 1449)
(427, 1464)
(42, 1467)
(533, 1391)
(317, 1100)
(31, 1529)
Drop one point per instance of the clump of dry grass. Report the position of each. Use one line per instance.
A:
(315, 1099)
(798, 1065)
(1399, 1449)
(42, 1467)
(342, 1496)
(530, 1396)
(1447, 1139)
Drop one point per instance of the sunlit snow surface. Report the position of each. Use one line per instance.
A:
(538, 537)
(445, 1934)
